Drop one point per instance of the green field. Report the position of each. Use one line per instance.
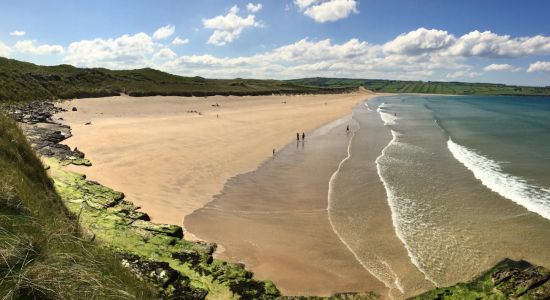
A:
(425, 87)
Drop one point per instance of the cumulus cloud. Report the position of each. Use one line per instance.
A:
(425, 54)
(307, 57)
(30, 47)
(419, 41)
(539, 66)
(489, 44)
(229, 27)
(178, 41)
(463, 74)
(165, 53)
(4, 50)
(323, 11)
(254, 8)
(124, 51)
(501, 68)
(164, 32)
(17, 33)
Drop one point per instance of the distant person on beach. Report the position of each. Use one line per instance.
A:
(347, 128)
(274, 152)
(297, 136)
(303, 136)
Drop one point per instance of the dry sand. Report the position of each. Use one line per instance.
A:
(171, 161)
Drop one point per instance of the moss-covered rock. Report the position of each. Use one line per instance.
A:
(119, 225)
(507, 280)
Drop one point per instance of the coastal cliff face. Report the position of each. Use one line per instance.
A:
(155, 253)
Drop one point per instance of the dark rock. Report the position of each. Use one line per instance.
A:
(45, 134)
(188, 256)
(74, 109)
(171, 283)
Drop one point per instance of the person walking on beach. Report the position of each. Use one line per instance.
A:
(297, 136)
(303, 137)
(347, 129)
(273, 152)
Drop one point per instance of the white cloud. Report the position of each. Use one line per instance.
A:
(17, 33)
(4, 50)
(254, 8)
(422, 54)
(501, 67)
(229, 27)
(327, 10)
(127, 51)
(302, 4)
(419, 41)
(539, 66)
(463, 74)
(178, 41)
(488, 44)
(165, 53)
(164, 32)
(28, 46)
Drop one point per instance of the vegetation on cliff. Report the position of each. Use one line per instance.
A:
(507, 280)
(43, 254)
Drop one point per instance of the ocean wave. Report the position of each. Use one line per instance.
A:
(368, 107)
(390, 278)
(387, 118)
(393, 202)
(534, 198)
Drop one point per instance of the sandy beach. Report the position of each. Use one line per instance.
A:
(171, 155)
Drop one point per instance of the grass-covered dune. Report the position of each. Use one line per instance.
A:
(43, 254)
(22, 81)
(425, 87)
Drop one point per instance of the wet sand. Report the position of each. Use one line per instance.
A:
(171, 161)
(275, 220)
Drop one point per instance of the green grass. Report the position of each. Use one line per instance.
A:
(42, 252)
(22, 81)
(431, 87)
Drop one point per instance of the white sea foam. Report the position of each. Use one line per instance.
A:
(389, 119)
(392, 201)
(368, 107)
(394, 283)
(534, 198)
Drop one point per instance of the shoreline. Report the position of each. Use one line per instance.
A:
(193, 189)
(71, 160)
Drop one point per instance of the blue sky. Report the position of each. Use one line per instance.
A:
(479, 41)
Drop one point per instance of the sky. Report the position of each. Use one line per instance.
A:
(500, 41)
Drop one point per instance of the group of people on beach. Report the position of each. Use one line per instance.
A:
(304, 138)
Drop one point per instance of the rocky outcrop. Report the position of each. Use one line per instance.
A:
(44, 133)
(507, 280)
(154, 252)
(171, 283)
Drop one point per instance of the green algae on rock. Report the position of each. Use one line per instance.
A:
(118, 225)
(507, 280)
